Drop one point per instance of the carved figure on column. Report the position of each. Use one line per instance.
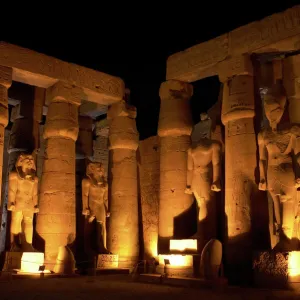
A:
(278, 172)
(203, 178)
(23, 202)
(95, 201)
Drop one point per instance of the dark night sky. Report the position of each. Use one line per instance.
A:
(136, 44)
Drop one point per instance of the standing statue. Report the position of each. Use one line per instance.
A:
(278, 165)
(94, 200)
(22, 202)
(203, 178)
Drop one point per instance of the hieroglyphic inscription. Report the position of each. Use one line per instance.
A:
(269, 30)
(197, 57)
(43, 65)
(107, 261)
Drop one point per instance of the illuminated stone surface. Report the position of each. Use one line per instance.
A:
(56, 220)
(277, 168)
(123, 238)
(240, 162)
(174, 129)
(149, 190)
(203, 178)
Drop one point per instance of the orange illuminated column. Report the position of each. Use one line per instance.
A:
(291, 80)
(5, 83)
(56, 220)
(174, 129)
(123, 238)
(240, 159)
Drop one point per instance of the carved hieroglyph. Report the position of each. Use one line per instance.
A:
(279, 32)
(291, 80)
(95, 199)
(240, 162)
(37, 69)
(203, 177)
(174, 129)
(5, 83)
(123, 236)
(56, 220)
(149, 191)
(277, 171)
(22, 202)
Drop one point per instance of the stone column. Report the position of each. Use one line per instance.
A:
(101, 152)
(174, 130)
(291, 80)
(84, 152)
(5, 83)
(56, 222)
(123, 237)
(240, 162)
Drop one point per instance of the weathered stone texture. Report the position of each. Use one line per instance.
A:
(279, 32)
(174, 129)
(56, 221)
(41, 70)
(291, 79)
(84, 143)
(149, 193)
(123, 237)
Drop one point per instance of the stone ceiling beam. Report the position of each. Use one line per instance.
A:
(276, 33)
(40, 70)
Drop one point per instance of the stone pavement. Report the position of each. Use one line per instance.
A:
(112, 287)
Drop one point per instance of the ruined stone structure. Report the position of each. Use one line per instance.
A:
(249, 152)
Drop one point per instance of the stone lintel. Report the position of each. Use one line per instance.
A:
(64, 92)
(238, 65)
(40, 70)
(276, 33)
(5, 76)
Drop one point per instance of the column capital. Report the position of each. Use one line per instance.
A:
(64, 92)
(237, 65)
(176, 89)
(121, 109)
(5, 76)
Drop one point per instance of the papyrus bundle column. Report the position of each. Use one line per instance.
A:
(56, 220)
(291, 80)
(240, 159)
(174, 129)
(5, 83)
(123, 238)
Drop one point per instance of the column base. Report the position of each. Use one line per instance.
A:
(273, 269)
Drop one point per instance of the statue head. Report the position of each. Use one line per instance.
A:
(96, 172)
(203, 116)
(25, 166)
(274, 104)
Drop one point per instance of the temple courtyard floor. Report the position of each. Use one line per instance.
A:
(112, 287)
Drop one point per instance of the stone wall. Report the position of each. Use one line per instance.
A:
(148, 158)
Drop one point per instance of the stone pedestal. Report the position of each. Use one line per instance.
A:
(174, 129)
(123, 237)
(240, 163)
(107, 261)
(291, 80)
(24, 262)
(176, 265)
(56, 223)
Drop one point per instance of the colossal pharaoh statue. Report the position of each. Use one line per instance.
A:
(22, 202)
(279, 167)
(203, 178)
(94, 200)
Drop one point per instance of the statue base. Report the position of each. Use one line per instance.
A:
(176, 265)
(107, 261)
(24, 262)
(276, 269)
